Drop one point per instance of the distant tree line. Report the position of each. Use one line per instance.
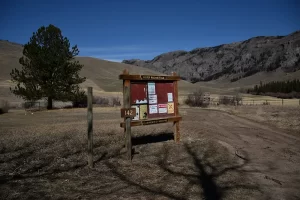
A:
(280, 89)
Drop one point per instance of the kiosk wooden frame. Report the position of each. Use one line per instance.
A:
(156, 97)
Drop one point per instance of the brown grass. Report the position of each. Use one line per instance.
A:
(44, 156)
(283, 117)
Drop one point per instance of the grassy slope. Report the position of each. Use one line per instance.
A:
(105, 74)
(224, 86)
(101, 75)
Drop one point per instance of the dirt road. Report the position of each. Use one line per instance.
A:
(220, 156)
(273, 156)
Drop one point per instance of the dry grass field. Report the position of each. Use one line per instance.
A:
(283, 117)
(220, 156)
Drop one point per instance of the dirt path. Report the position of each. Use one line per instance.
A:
(273, 156)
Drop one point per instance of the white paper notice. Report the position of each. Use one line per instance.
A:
(151, 88)
(163, 108)
(137, 117)
(152, 99)
(152, 109)
(170, 97)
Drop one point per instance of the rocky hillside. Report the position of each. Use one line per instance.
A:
(233, 61)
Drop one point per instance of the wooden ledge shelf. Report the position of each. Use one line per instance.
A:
(152, 121)
(148, 77)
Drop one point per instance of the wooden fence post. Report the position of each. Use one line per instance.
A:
(90, 126)
(126, 103)
(177, 131)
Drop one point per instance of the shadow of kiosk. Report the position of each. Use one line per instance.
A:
(149, 100)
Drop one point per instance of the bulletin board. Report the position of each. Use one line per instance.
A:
(155, 98)
(149, 100)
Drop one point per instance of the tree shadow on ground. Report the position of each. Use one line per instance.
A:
(187, 173)
(200, 173)
(147, 139)
(40, 170)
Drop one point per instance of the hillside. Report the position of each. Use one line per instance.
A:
(233, 61)
(102, 75)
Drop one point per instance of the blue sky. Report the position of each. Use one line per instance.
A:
(124, 29)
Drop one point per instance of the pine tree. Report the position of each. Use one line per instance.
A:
(48, 68)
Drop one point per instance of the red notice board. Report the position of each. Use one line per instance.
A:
(165, 100)
(152, 99)
(138, 93)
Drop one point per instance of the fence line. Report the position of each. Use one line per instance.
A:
(246, 101)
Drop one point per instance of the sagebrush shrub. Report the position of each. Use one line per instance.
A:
(4, 106)
(196, 99)
(102, 101)
(233, 100)
(116, 101)
(225, 100)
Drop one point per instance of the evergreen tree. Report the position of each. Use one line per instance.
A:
(48, 68)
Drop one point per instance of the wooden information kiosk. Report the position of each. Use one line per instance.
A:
(148, 100)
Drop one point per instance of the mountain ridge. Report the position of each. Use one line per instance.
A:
(233, 61)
